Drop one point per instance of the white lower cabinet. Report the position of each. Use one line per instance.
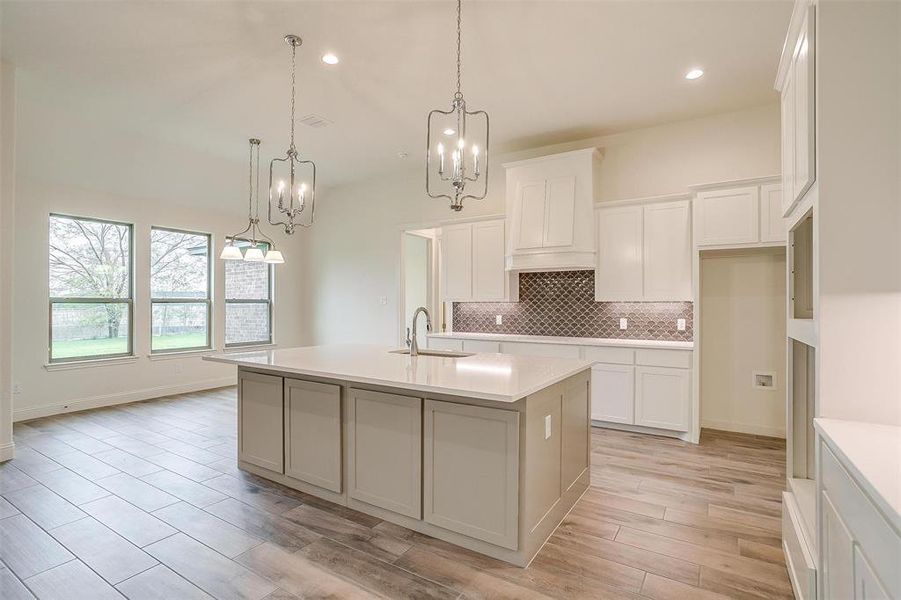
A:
(384, 461)
(866, 585)
(313, 433)
(471, 471)
(481, 346)
(260, 418)
(613, 393)
(662, 397)
(837, 547)
(445, 344)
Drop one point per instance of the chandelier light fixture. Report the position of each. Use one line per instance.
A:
(457, 158)
(292, 181)
(253, 252)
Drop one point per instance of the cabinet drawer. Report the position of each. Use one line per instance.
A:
(481, 346)
(616, 356)
(679, 359)
(529, 349)
(880, 542)
(445, 344)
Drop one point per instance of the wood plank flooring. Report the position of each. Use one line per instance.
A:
(144, 501)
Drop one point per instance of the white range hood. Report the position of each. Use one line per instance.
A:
(550, 208)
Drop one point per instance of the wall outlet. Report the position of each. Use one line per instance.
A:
(383, 300)
(624, 324)
(498, 320)
(680, 324)
(547, 427)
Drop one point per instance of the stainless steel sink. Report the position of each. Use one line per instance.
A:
(444, 353)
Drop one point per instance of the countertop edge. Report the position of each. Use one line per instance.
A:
(569, 341)
(398, 385)
(890, 509)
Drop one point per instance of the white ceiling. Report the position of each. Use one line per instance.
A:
(212, 74)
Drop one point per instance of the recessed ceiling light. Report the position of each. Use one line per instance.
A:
(449, 131)
(694, 74)
(330, 59)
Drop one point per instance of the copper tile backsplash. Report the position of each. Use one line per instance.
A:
(562, 303)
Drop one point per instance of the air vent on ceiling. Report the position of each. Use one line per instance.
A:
(315, 121)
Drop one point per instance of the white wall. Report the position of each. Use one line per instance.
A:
(7, 202)
(416, 279)
(742, 309)
(177, 198)
(859, 225)
(354, 248)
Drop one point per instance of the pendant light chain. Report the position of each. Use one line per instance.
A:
(293, 89)
(459, 94)
(250, 183)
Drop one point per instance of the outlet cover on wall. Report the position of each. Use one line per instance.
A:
(547, 427)
(498, 320)
(624, 324)
(680, 324)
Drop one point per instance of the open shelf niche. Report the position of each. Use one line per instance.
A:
(801, 244)
(801, 468)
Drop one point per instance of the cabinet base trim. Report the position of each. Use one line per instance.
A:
(679, 435)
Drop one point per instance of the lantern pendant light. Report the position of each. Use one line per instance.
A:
(292, 181)
(466, 134)
(254, 252)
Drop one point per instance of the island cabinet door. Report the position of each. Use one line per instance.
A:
(260, 425)
(385, 451)
(313, 433)
(471, 471)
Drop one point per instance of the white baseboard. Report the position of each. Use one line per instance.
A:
(121, 398)
(7, 451)
(778, 432)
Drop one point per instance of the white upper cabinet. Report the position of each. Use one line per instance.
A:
(456, 262)
(472, 262)
(667, 251)
(549, 204)
(728, 216)
(796, 85)
(644, 252)
(739, 216)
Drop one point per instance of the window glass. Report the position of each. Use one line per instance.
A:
(248, 301)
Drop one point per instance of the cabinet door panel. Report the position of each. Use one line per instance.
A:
(260, 420)
(804, 126)
(837, 548)
(662, 397)
(788, 143)
(574, 426)
(613, 393)
(560, 212)
(866, 584)
(727, 217)
(456, 256)
(385, 451)
(619, 249)
(471, 471)
(530, 196)
(667, 251)
(488, 272)
(313, 433)
(772, 225)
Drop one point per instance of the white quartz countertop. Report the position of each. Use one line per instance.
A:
(497, 377)
(873, 454)
(572, 341)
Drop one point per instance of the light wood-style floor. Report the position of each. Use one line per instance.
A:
(144, 500)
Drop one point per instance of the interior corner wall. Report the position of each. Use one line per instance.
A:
(7, 202)
(742, 330)
(858, 92)
(38, 193)
(354, 254)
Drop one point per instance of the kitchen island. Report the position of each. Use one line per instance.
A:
(485, 451)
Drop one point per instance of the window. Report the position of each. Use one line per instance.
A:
(180, 305)
(248, 301)
(91, 302)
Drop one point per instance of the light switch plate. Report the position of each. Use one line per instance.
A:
(547, 427)
(624, 324)
(680, 324)
(498, 320)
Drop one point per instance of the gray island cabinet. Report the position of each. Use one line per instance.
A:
(488, 451)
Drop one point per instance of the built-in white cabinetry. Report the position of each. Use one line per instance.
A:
(644, 252)
(796, 84)
(613, 393)
(662, 397)
(748, 215)
(549, 204)
(472, 259)
(260, 418)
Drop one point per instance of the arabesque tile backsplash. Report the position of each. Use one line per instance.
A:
(562, 303)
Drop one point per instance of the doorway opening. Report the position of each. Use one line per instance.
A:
(419, 281)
